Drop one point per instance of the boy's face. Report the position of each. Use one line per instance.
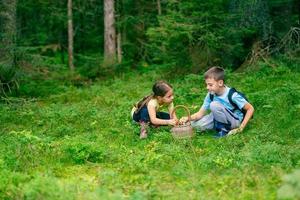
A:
(213, 86)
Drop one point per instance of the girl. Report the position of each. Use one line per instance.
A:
(147, 110)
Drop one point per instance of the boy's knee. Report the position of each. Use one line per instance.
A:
(198, 125)
(205, 123)
(216, 106)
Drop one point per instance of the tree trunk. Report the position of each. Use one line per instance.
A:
(158, 7)
(109, 33)
(70, 36)
(119, 47)
(7, 40)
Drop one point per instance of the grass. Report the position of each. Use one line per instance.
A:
(79, 142)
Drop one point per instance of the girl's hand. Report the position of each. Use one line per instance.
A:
(173, 122)
(183, 120)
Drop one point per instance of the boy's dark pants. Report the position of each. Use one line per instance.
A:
(143, 115)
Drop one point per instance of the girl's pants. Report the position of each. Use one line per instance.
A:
(143, 115)
(218, 118)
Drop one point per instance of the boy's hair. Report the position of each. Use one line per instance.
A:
(216, 73)
(159, 89)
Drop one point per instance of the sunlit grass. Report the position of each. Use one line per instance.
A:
(80, 143)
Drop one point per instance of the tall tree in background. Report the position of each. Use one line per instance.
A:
(70, 36)
(186, 33)
(7, 40)
(158, 7)
(109, 32)
(119, 10)
(119, 46)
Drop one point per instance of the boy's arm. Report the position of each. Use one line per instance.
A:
(249, 113)
(202, 111)
(196, 116)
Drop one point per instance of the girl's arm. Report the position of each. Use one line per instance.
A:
(171, 109)
(157, 121)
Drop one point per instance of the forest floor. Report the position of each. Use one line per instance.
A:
(64, 141)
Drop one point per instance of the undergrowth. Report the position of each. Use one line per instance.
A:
(79, 142)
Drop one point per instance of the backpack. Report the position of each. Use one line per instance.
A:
(230, 93)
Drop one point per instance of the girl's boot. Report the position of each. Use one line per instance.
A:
(143, 132)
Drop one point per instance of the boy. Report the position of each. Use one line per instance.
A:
(226, 114)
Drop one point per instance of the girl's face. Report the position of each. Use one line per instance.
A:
(168, 98)
(213, 86)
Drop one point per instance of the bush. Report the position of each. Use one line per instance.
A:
(290, 188)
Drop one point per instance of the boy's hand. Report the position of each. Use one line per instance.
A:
(235, 131)
(183, 120)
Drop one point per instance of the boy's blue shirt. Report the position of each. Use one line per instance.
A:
(223, 99)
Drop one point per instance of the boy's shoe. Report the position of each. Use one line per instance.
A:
(221, 133)
(143, 132)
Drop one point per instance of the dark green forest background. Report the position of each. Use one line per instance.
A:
(189, 35)
(66, 132)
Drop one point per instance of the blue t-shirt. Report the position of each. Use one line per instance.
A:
(223, 99)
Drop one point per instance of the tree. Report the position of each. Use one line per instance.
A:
(119, 10)
(7, 42)
(109, 33)
(252, 15)
(70, 36)
(158, 7)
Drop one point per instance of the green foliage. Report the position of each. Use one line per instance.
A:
(63, 136)
(186, 27)
(186, 33)
(80, 152)
(45, 187)
(79, 143)
(291, 186)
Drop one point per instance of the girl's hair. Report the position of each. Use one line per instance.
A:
(159, 89)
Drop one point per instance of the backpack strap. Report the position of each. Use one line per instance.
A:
(230, 93)
(211, 96)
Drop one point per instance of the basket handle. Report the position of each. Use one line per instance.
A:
(185, 108)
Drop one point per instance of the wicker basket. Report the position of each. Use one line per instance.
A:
(184, 130)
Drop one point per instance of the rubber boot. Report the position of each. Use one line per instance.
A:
(143, 132)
